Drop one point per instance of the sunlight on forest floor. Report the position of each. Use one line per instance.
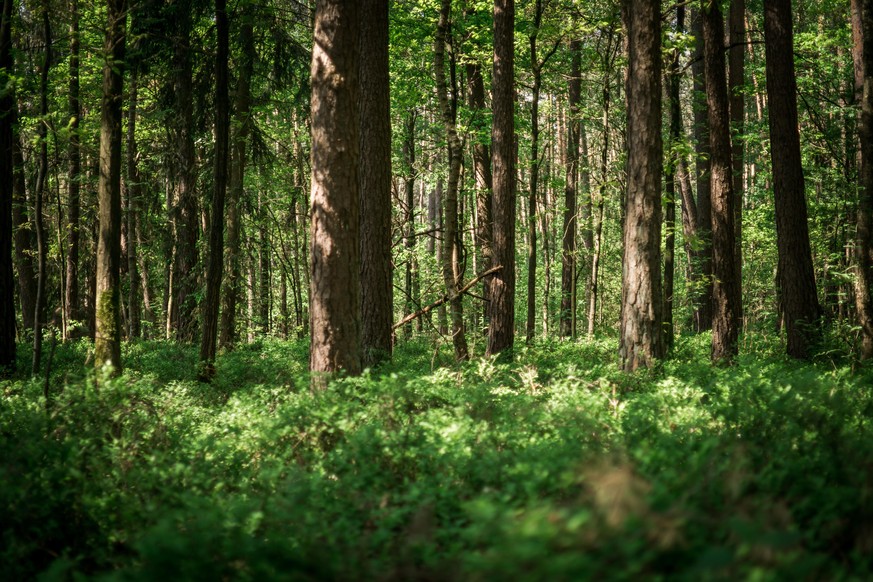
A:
(554, 466)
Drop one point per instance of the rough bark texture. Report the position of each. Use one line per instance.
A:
(501, 330)
(725, 288)
(702, 271)
(335, 310)
(107, 338)
(568, 246)
(864, 222)
(795, 273)
(71, 288)
(377, 295)
(242, 110)
(737, 100)
(184, 213)
(209, 339)
(641, 339)
(7, 280)
(451, 258)
(133, 195)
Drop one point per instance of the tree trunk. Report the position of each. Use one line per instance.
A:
(702, 284)
(501, 330)
(736, 82)
(133, 193)
(335, 312)
(864, 221)
(209, 338)
(536, 72)
(568, 256)
(71, 301)
(39, 196)
(23, 237)
(794, 271)
(184, 204)
(377, 289)
(641, 314)
(409, 218)
(107, 338)
(7, 278)
(265, 267)
(671, 181)
(451, 237)
(726, 289)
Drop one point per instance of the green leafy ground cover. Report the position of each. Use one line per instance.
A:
(553, 467)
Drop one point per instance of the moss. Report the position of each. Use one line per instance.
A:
(107, 340)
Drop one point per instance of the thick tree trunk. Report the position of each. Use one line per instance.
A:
(726, 288)
(209, 339)
(185, 215)
(568, 254)
(242, 112)
(7, 136)
(501, 330)
(864, 222)
(701, 279)
(335, 312)
(451, 237)
(107, 339)
(641, 328)
(71, 289)
(795, 272)
(377, 290)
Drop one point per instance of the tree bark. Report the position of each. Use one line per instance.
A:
(726, 289)
(133, 194)
(736, 82)
(409, 218)
(451, 237)
(107, 338)
(377, 290)
(7, 136)
(641, 314)
(501, 330)
(23, 236)
(568, 254)
(335, 312)
(863, 256)
(209, 338)
(71, 301)
(794, 270)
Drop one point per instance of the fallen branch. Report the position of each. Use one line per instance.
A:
(445, 298)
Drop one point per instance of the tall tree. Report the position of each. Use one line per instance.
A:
(7, 281)
(241, 130)
(864, 220)
(568, 254)
(107, 337)
(40, 191)
(377, 298)
(736, 81)
(71, 288)
(641, 340)
(501, 330)
(132, 203)
(726, 288)
(335, 312)
(451, 257)
(795, 272)
(209, 337)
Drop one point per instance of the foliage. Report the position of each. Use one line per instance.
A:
(553, 466)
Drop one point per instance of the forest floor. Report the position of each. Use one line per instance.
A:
(555, 466)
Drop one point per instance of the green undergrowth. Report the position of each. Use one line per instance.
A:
(554, 466)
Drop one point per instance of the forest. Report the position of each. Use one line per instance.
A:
(436, 289)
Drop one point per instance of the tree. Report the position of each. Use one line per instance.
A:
(501, 330)
(799, 300)
(641, 340)
(568, 254)
(737, 99)
(377, 299)
(335, 312)
(7, 281)
(216, 229)
(725, 288)
(71, 288)
(107, 336)
(451, 257)
(864, 220)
